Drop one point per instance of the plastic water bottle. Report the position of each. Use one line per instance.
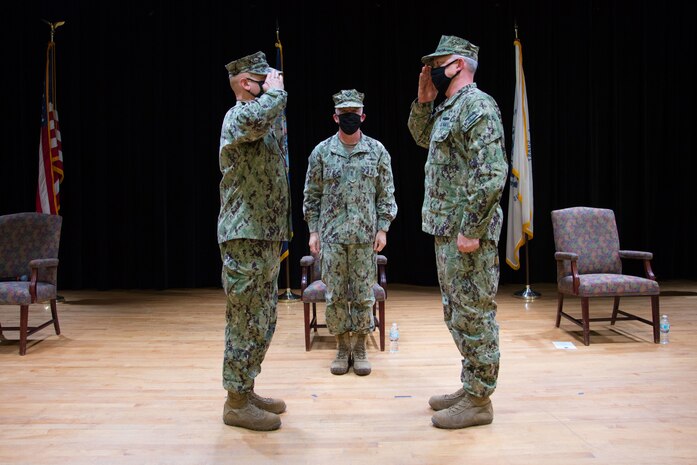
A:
(394, 338)
(665, 329)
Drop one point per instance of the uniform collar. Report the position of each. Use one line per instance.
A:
(336, 146)
(450, 101)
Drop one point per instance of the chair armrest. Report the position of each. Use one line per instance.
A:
(305, 263)
(382, 272)
(566, 256)
(638, 255)
(43, 263)
(35, 265)
(573, 258)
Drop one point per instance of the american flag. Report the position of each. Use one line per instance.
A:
(50, 150)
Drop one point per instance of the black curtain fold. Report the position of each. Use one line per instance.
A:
(142, 92)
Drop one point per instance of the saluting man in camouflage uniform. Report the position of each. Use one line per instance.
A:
(465, 174)
(349, 205)
(254, 220)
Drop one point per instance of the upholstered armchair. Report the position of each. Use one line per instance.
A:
(589, 264)
(29, 267)
(313, 290)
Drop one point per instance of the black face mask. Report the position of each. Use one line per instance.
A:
(261, 88)
(349, 122)
(440, 80)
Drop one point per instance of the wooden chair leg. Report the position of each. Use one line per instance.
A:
(585, 315)
(656, 318)
(560, 304)
(23, 325)
(376, 316)
(381, 307)
(54, 314)
(306, 314)
(615, 307)
(314, 316)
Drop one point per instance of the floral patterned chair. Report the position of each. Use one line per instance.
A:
(29, 267)
(313, 290)
(589, 265)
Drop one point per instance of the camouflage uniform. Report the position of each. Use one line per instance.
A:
(348, 199)
(254, 219)
(464, 177)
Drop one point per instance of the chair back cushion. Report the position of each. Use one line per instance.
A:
(591, 233)
(25, 237)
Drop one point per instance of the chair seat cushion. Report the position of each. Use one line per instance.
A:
(316, 291)
(17, 292)
(605, 284)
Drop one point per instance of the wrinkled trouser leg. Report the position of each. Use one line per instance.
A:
(468, 285)
(250, 274)
(344, 267)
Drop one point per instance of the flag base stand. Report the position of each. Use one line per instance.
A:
(288, 296)
(527, 294)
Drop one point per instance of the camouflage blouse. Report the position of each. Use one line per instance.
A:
(348, 198)
(466, 168)
(254, 191)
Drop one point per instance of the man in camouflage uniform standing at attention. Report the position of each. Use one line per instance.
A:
(254, 220)
(349, 205)
(465, 175)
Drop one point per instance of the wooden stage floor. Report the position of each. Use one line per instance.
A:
(135, 378)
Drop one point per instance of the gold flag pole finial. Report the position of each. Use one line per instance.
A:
(53, 26)
(279, 45)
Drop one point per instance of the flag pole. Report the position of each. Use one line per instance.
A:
(52, 50)
(528, 293)
(287, 295)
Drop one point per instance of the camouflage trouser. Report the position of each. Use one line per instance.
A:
(349, 271)
(250, 273)
(468, 284)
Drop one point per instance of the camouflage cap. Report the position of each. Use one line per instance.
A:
(348, 99)
(449, 45)
(254, 63)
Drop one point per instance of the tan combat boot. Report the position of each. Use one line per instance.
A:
(446, 400)
(340, 365)
(239, 411)
(361, 365)
(469, 411)
(269, 404)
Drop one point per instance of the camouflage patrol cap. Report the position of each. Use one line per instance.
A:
(254, 63)
(450, 45)
(348, 99)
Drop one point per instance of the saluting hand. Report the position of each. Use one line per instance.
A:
(274, 80)
(427, 91)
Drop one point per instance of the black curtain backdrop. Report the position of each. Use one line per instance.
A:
(142, 91)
